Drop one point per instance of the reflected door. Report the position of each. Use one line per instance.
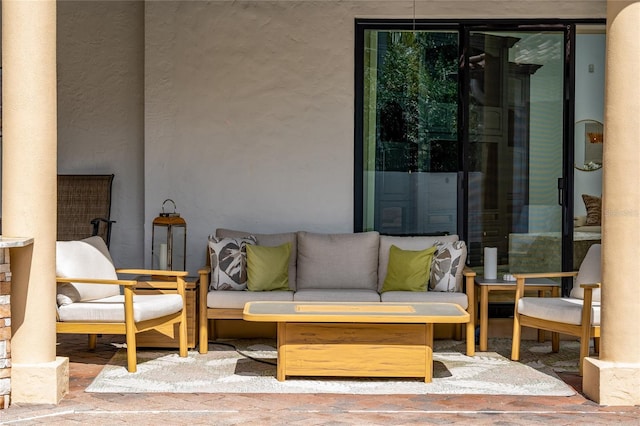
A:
(515, 125)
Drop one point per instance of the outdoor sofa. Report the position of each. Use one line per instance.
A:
(312, 267)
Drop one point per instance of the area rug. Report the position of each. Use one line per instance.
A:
(248, 366)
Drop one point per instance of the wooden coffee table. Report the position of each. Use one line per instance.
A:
(355, 339)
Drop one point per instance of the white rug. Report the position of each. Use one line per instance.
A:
(251, 369)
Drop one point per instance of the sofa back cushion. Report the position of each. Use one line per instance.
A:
(404, 243)
(343, 261)
(270, 240)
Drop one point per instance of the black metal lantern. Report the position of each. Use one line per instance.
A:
(169, 241)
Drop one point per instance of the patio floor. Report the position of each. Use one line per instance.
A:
(79, 407)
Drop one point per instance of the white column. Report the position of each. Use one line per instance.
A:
(614, 378)
(29, 195)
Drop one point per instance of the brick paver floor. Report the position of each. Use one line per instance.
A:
(81, 408)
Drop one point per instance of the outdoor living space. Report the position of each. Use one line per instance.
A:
(479, 121)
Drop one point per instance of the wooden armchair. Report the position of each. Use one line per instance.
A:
(89, 300)
(577, 315)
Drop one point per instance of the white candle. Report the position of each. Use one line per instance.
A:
(163, 256)
(490, 263)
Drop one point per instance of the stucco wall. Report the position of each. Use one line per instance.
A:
(249, 108)
(100, 108)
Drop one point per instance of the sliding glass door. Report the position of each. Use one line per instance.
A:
(515, 102)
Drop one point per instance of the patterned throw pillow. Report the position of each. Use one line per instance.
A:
(593, 205)
(229, 262)
(447, 266)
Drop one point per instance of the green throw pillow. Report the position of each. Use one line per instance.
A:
(268, 267)
(408, 270)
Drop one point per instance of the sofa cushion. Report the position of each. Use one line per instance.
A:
(426, 296)
(268, 267)
(447, 266)
(84, 259)
(338, 261)
(237, 299)
(270, 240)
(404, 243)
(408, 270)
(336, 295)
(228, 257)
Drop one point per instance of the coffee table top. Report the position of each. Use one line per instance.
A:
(420, 313)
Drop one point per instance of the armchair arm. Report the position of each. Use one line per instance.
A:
(590, 286)
(124, 283)
(545, 274)
(520, 278)
(159, 272)
(178, 277)
(587, 302)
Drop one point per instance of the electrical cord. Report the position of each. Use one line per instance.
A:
(239, 352)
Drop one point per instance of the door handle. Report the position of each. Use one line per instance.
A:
(560, 191)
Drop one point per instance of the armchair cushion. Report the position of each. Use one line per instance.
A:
(589, 273)
(565, 310)
(111, 309)
(84, 259)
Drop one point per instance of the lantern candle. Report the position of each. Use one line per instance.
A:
(163, 257)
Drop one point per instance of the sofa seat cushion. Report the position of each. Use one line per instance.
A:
(270, 240)
(336, 295)
(237, 299)
(425, 296)
(404, 243)
(111, 309)
(338, 261)
(563, 310)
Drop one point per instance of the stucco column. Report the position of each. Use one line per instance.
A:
(614, 378)
(29, 195)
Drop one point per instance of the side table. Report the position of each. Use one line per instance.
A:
(169, 338)
(483, 286)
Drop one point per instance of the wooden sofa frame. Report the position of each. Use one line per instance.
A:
(207, 314)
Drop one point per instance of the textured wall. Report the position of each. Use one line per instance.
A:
(249, 108)
(100, 108)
